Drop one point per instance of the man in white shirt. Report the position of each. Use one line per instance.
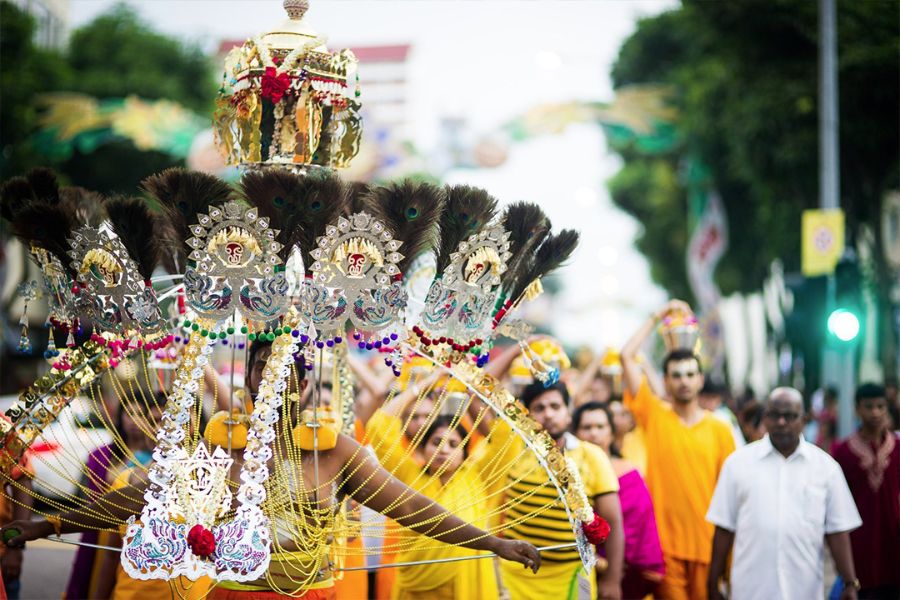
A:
(777, 501)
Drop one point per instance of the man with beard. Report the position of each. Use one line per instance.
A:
(686, 447)
(778, 501)
(562, 575)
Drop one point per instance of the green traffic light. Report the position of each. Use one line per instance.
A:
(843, 324)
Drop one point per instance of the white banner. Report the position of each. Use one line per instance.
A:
(708, 243)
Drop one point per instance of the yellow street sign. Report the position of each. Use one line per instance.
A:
(823, 241)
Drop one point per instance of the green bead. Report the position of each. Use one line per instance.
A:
(271, 337)
(277, 331)
(244, 330)
(223, 335)
(252, 337)
(195, 327)
(204, 332)
(230, 330)
(186, 323)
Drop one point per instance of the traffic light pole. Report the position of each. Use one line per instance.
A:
(839, 368)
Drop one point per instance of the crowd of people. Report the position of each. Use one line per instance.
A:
(706, 496)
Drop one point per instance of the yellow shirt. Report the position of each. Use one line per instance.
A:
(683, 464)
(529, 492)
(463, 495)
(634, 449)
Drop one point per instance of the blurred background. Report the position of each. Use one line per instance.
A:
(680, 138)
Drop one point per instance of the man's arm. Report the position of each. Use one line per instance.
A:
(584, 380)
(842, 553)
(370, 484)
(498, 366)
(722, 542)
(397, 405)
(109, 510)
(608, 507)
(632, 374)
(373, 392)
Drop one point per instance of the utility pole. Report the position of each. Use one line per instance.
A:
(838, 363)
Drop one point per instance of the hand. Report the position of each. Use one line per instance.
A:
(28, 530)
(673, 306)
(714, 593)
(11, 564)
(518, 551)
(848, 593)
(608, 589)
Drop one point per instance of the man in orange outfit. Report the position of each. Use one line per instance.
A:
(686, 447)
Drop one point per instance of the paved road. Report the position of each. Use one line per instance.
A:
(46, 570)
(47, 566)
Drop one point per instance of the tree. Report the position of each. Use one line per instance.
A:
(117, 55)
(745, 76)
(27, 70)
(114, 56)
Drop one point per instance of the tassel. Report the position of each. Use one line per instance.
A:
(70, 341)
(24, 342)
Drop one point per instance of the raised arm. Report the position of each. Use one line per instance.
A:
(498, 366)
(396, 405)
(221, 391)
(368, 483)
(632, 373)
(586, 377)
(367, 378)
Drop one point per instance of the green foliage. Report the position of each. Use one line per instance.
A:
(115, 56)
(26, 70)
(746, 81)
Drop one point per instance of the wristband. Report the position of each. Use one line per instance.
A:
(854, 583)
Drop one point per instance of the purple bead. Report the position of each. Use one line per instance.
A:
(388, 362)
(309, 367)
(295, 333)
(356, 335)
(241, 346)
(177, 338)
(320, 344)
(224, 342)
(386, 341)
(329, 343)
(361, 345)
(369, 346)
(304, 338)
(338, 339)
(393, 336)
(377, 344)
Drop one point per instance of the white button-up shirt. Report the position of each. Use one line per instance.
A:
(780, 510)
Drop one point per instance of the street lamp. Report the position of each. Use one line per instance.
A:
(843, 324)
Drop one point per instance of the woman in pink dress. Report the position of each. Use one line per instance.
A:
(644, 566)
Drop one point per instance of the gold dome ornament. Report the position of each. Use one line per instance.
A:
(287, 100)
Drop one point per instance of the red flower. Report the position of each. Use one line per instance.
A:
(201, 541)
(596, 531)
(274, 84)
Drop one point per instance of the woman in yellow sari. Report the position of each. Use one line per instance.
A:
(440, 472)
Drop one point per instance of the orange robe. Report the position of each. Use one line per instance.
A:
(683, 464)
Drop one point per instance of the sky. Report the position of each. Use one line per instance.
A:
(488, 62)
